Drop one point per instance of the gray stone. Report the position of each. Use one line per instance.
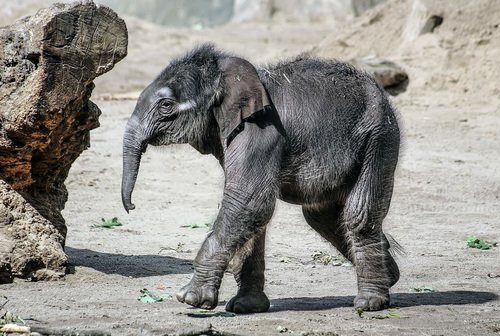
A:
(388, 74)
(420, 21)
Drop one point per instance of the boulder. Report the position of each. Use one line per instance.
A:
(420, 21)
(392, 77)
(47, 64)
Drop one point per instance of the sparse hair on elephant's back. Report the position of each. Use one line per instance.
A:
(201, 65)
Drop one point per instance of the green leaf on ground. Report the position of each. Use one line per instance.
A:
(285, 259)
(327, 259)
(475, 242)
(422, 289)
(322, 257)
(390, 314)
(148, 297)
(9, 318)
(108, 224)
(197, 226)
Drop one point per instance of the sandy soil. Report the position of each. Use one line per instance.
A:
(447, 187)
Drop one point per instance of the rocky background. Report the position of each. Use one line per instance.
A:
(209, 13)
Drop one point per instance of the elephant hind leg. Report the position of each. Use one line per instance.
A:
(365, 208)
(248, 267)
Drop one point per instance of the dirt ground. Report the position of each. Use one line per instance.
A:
(447, 187)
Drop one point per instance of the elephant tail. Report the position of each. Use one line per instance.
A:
(395, 248)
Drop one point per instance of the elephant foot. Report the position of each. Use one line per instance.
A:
(204, 296)
(369, 301)
(248, 303)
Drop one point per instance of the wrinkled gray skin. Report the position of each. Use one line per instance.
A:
(327, 139)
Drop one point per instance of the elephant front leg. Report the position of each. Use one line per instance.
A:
(209, 266)
(232, 230)
(249, 275)
(251, 164)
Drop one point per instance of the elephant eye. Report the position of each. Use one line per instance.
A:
(166, 107)
(167, 111)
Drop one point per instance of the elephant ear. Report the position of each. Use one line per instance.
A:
(243, 94)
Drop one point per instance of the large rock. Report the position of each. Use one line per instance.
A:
(392, 77)
(47, 64)
(420, 21)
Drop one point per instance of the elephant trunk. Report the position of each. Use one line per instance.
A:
(134, 144)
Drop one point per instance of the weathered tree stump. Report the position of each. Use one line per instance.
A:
(47, 64)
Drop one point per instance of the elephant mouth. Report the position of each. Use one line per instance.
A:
(154, 141)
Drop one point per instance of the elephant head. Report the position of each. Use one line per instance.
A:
(199, 99)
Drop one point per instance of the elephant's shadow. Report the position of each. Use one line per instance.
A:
(135, 266)
(398, 300)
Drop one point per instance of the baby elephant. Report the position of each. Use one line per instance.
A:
(308, 131)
